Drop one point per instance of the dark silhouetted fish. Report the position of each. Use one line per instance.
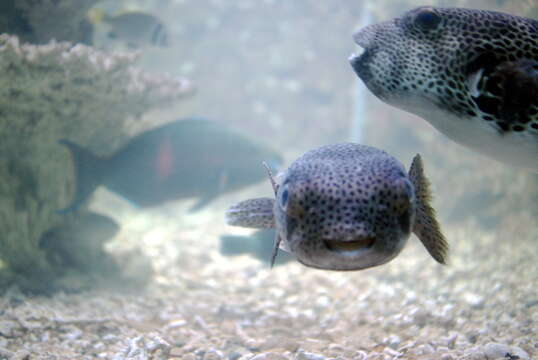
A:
(190, 158)
(70, 244)
(259, 245)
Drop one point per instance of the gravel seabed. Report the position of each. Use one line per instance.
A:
(200, 305)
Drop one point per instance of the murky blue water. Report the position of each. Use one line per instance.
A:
(276, 71)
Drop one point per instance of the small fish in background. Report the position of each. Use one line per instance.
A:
(346, 207)
(191, 158)
(135, 28)
(258, 245)
(472, 74)
(90, 231)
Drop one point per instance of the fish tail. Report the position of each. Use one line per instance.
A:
(253, 213)
(426, 226)
(88, 173)
(233, 245)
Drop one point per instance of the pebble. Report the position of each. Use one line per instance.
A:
(110, 338)
(5, 353)
(424, 349)
(73, 334)
(451, 341)
(474, 300)
(472, 336)
(176, 324)
(8, 328)
(496, 350)
(392, 352)
(213, 354)
(336, 347)
(234, 355)
(360, 355)
(392, 341)
(303, 355)
(280, 342)
(21, 355)
(376, 356)
(269, 356)
(421, 317)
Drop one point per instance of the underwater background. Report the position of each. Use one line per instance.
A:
(116, 279)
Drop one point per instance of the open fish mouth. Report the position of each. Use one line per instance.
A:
(360, 60)
(355, 57)
(349, 246)
(367, 46)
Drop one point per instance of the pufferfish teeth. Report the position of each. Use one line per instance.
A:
(360, 50)
(354, 56)
(349, 246)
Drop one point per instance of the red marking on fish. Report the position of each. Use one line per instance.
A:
(165, 159)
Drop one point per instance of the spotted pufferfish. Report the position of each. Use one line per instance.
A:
(472, 74)
(346, 207)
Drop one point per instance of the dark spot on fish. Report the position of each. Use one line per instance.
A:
(518, 128)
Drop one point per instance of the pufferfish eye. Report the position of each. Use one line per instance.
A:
(284, 197)
(427, 19)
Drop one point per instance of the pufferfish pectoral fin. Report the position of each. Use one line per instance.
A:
(507, 90)
(519, 83)
(253, 213)
(426, 226)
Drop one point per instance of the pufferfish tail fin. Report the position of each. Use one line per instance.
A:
(253, 213)
(426, 226)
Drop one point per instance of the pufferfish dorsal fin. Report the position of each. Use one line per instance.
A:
(426, 226)
(508, 90)
(271, 177)
(253, 213)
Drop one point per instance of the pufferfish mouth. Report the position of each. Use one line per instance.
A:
(349, 246)
(359, 61)
(357, 54)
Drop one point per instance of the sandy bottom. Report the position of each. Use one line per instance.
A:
(201, 305)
